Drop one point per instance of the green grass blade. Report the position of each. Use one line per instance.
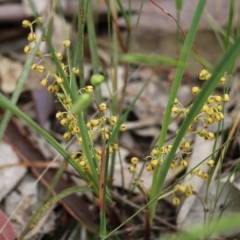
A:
(226, 224)
(6, 104)
(152, 60)
(229, 24)
(50, 203)
(226, 62)
(93, 48)
(18, 90)
(158, 180)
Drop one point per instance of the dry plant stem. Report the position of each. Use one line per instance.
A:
(147, 232)
(230, 136)
(175, 20)
(120, 39)
(130, 203)
(35, 164)
(205, 207)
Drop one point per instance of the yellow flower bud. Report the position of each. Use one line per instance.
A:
(31, 37)
(225, 98)
(27, 49)
(149, 167)
(112, 120)
(59, 115)
(26, 24)
(210, 162)
(89, 89)
(102, 107)
(66, 43)
(44, 82)
(203, 74)
(123, 128)
(67, 136)
(176, 201)
(134, 160)
(64, 122)
(184, 163)
(195, 90)
(75, 70)
(59, 80)
(132, 169)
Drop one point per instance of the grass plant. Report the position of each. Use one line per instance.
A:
(94, 164)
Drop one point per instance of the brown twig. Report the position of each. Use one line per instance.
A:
(205, 207)
(175, 20)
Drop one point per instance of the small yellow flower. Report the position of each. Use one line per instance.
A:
(67, 136)
(188, 192)
(182, 188)
(132, 169)
(225, 98)
(176, 201)
(59, 115)
(134, 160)
(195, 91)
(59, 55)
(51, 88)
(115, 146)
(26, 24)
(210, 135)
(40, 68)
(210, 120)
(75, 130)
(59, 80)
(175, 110)
(203, 74)
(173, 164)
(176, 101)
(44, 82)
(123, 128)
(204, 176)
(222, 80)
(75, 70)
(31, 37)
(89, 89)
(184, 163)
(95, 122)
(149, 167)
(155, 152)
(66, 43)
(200, 173)
(64, 122)
(210, 162)
(154, 162)
(112, 120)
(210, 99)
(218, 98)
(39, 20)
(102, 107)
(27, 49)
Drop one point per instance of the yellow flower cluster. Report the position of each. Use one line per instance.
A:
(55, 83)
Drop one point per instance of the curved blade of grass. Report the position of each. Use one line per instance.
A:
(93, 48)
(81, 122)
(229, 24)
(154, 59)
(6, 104)
(111, 139)
(226, 62)
(201, 231)
(158, 178)
(50, 203)
(21, 81)
(123, 12)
